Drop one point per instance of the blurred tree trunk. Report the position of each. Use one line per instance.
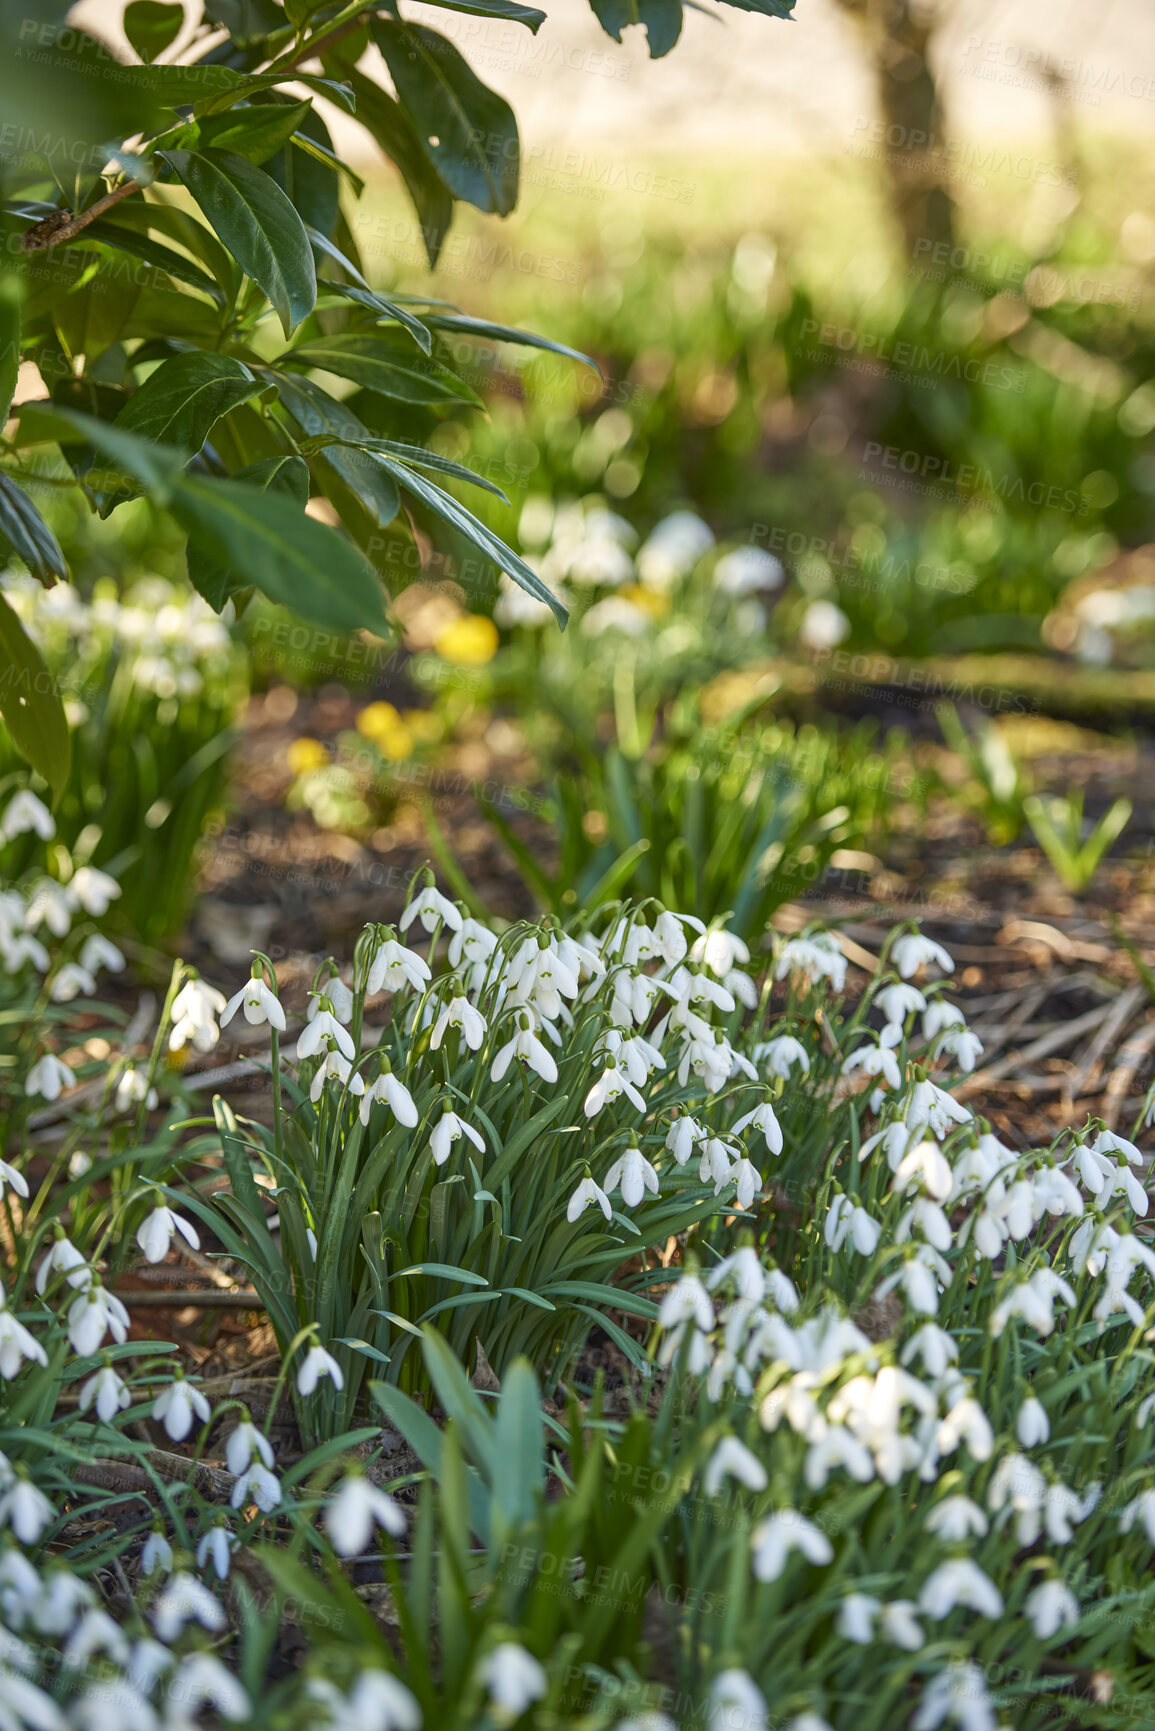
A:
(897, 35)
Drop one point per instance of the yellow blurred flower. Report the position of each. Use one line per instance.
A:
(377, 718)
(655, 602)
(396, 744)
(305, 754)
(468, 642)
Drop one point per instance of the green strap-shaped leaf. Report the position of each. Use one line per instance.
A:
(467, 131)
(288, 475)
(318, 414)
(250, 84)
(26, 532)
(154, 252)
(30, 703)
(255, 133)
(257, 223)
(527, 15)
(181, 402)
(288, 556)
(156, 467)
(423, 459)
(662, 20)
(386, 309)
(380, 364)
(471, 327)
(448, 509)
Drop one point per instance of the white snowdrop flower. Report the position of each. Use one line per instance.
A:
(1051, 1606)
(686, 1301)
(259, 1005)
(634, 1175)
(781, 1055)
(824, 625)
(513, 1678)
(69, 982)
(684, 1133)
(246, 1441)
(450, 1129)
(958, 1581)
(17, 1345)
(49, 1077)
(51, 905)
(931, 1106)
(1034, 1300)
(962, 1044)
(1064, 1509)
(744, 1269)
(956, 1519)
(673, 548)
(817, 956)
(855, 1620)
(736, 1703)
(324, 1032)
(747, 1181)
(1055, 1193)
(587, 1192)
(24, 812)
(26, 1510)
(762, 1118)
(899, 1626)
(925, 1164)
(919, 1280)
(719, 951)
(471, 943)
(940, 1014)
(178, 1406)
(97, 952)
(649, 1719)
(937, 1349)
(105, 1390)
(338, 994)
(393, 967)
(875, 1060)
(894, 1140)
(317, 1363)
(709, 1058)
(460, 1013)
(194, 1017)
(147, 1664)
(837, 1448)
(717, 1163)
(392, 1094)
(1142, 1509)
(927, 1218)
(913, 951)
(526, 1046)
(898, 1002)
(132, 1088)
(257, 1485)
(156, 1555)
(747, 570)
(63, 1598)
(378, 1701)
(958, 1694)
(808, 1722)
(691, 988)
(216, 1546)
(355, 1510)
(732, 1459)
(94, 890)
(609, 1086)
(201, 1680)
(1032, 1425)
(183, 1600)
(24, 948)
(94, 1313)
(157, 1230)
(10, 1176)
(966, 1422)
(1107, 1142)
(336, 1068)
(431, 908)
(774, 1539)
(94, 1633)
(847, 1219)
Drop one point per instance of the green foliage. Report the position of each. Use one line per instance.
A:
(1073, 847)
(999, 785)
